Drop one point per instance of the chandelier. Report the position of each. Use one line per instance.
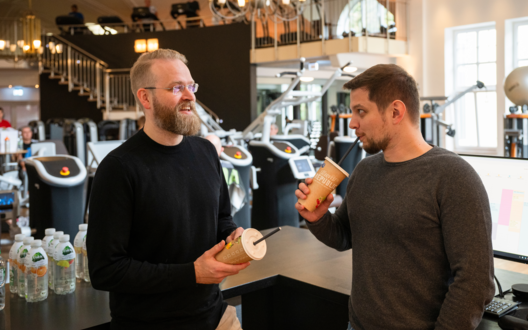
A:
(20, 37)
(284, 10)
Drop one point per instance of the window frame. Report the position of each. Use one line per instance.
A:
(456, 89)
(515, 28)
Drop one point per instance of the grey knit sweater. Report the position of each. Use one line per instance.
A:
(420, 234)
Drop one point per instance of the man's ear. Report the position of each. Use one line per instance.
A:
(144, 98)
(398, 111)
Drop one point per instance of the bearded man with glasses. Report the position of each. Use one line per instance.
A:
(160, 212)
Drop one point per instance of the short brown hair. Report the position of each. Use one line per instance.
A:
(386, 83)
(140, 75)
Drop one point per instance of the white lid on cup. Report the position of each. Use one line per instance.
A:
(255, 252)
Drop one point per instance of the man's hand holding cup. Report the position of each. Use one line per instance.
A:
(302, 193)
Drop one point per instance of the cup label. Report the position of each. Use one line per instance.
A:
(326, 180)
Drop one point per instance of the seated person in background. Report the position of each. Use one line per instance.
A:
(3, 123)
(140, 122)
(215, 140)
(75, 13)
(27, 135)
(193, 10)
(274, 129)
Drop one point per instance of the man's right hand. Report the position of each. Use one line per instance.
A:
(210, 271)
(319, 212)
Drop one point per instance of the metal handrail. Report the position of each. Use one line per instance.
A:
(80, 50)
(211, 112)
(117, 70)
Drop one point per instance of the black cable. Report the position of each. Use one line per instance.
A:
(501, 294)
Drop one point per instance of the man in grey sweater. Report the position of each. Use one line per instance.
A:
(417, 218)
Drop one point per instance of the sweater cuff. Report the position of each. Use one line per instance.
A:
(319, 222)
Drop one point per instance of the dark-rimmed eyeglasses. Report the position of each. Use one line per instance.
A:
(193, 88)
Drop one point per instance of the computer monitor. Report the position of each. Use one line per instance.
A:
(506, 182)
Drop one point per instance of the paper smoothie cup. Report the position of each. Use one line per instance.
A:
(327, 178)
(242, 249)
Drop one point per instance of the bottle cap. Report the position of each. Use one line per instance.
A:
(49, 231)
(28, 240)
(19, 237)
(84, 227)
(36, 243)
(58, 234)
(64, 238)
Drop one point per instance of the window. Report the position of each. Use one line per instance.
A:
(361, 15)
(475, 114)
(520, 46)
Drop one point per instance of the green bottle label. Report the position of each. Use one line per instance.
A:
(67, 250)
(37, 257)
(23, 254)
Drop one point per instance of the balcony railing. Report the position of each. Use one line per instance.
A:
(320, 20)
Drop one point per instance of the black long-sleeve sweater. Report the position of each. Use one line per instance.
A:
(420, 234)
(154, 210)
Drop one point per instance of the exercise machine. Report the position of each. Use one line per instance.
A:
(430, 119)
(516, 122)
(56, 193)
(236, 155)
(274, 201)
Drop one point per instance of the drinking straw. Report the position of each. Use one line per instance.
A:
(348, 151)
(268, 235)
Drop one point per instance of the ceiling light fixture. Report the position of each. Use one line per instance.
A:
(307, 79)
(140, 45)
(350, 69)
(152, 45)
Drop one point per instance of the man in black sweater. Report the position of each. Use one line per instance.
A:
(417, 218)
(160, 212)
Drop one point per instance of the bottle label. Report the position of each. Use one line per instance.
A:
(37, 262)
(2, 276)
(64, 251)
(24, 253)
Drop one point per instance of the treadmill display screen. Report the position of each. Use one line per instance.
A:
(303, 165)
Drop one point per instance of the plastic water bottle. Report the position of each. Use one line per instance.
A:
(2, 283)
(13, 265)
(36, 273)
(22, 266)
(85, 263)
(45, 241)
(52, 243)
(78, 244)
(64, 272)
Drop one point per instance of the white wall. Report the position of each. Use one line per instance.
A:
(434, 17)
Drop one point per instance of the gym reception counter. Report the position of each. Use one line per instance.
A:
(300, 284)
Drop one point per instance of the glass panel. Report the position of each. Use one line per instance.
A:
(487, 118)
(488, 73)
(466, 48)
(486, 48)
(466, 130)
(466, 75)
(522, 45)
(523, 63)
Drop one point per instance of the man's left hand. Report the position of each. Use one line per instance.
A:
(235, 234)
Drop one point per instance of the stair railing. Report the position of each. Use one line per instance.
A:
(74, 67)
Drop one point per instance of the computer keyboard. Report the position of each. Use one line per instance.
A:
(499, 306)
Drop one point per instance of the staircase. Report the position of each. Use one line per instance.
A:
(89, 77)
